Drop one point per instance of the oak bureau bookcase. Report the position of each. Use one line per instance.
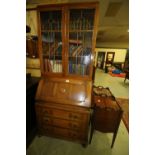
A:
(67, 39)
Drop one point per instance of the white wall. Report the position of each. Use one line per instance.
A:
(116, 45)
(31, 20)
(120, 54)
(33, 67)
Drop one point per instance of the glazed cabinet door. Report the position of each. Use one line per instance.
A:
(67, 38)
(80, 34)
(51, 40)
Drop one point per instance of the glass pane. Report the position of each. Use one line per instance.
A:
(80, 41)
(81, 19)
(51, 41)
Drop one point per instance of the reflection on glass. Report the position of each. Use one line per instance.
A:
(51, 41)
(80, 41)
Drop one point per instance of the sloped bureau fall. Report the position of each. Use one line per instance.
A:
(63, 108)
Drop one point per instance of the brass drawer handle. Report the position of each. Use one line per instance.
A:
(73, 125)
(47, 128)
(46, 112)
(73, 116)
(72, 134)
(47, 120)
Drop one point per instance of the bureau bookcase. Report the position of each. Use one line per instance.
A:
(67, 38)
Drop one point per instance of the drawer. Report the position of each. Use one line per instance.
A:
(46, 120)
(76, 125)
(44, 111)
(46, 130)
(66, 133)
(68, 115)
(55, 113)
(61, 132)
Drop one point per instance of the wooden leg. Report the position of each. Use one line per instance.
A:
(91, 126)
(115, 133)
(91, 134)
(113, 139)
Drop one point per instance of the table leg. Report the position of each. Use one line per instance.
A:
(91, 133)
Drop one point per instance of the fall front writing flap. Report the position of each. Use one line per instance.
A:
(64, 91)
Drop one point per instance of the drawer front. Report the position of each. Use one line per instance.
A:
(61, 132)
(56, 113)
(67, 133)
(67, 115)
(65, 124)
(74, 125)
(44, 111)
(46, 130)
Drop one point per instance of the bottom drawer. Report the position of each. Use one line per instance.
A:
(61, 132)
